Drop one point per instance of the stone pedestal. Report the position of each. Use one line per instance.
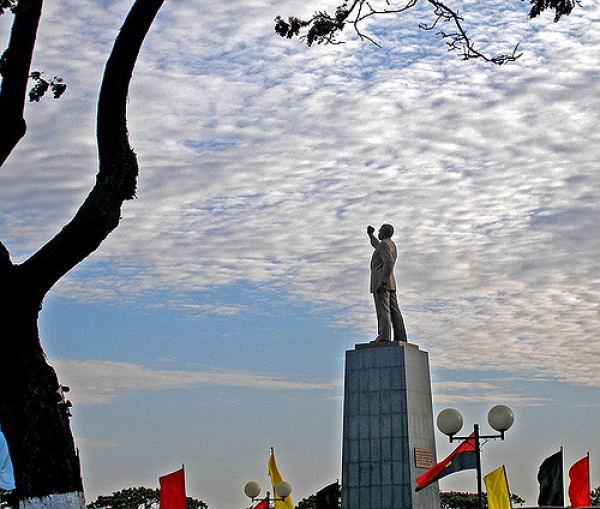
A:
(388, 438)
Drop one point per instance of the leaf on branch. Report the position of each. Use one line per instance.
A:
(323, 27)
(561, 7)
(289, 29)
(7, 5)
(58, 87)
(42, 86)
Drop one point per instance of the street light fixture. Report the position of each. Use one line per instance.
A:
(252, 489)
(500, 418)
(282, 491)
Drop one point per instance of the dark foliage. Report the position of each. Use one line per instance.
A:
(460, 500)
(138, 498)
(41, 87)
(8, 500)
(595, 497)
(7, 5)
(307, 503)
(560, 7)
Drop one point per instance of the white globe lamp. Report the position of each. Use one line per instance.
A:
(252, 489)
(283, 489)
(501, 418)
(449, 421)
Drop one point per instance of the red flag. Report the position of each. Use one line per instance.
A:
(579, 487)
(462, 458)
(263, 504)
(172, 490)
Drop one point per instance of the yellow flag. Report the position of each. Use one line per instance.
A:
(497, 489)
(276, 478)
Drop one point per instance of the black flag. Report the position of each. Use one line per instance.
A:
(550, 478)
(328, 497)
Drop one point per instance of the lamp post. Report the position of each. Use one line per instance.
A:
(282, 490)
(500, 418)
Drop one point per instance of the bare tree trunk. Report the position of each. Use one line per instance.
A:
(34, 419)
(35, 423)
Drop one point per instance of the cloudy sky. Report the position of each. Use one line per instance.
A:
(212, 324)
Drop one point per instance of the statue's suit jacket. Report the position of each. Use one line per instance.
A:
(382, 265)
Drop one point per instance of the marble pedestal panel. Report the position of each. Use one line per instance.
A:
(388, 437)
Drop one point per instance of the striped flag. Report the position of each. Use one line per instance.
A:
(462, 458)
(263, 504)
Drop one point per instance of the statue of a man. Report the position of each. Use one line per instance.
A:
(383, 285)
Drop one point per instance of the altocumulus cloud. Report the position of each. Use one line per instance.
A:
(484, 392)
(489, 175)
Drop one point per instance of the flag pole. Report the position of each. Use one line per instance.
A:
(478, 465)
(507, 486)
(589, 477)
(563, 473)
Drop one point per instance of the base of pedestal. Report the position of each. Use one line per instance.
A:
(388, 427)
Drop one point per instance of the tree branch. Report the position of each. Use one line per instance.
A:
(323, 28)
(15, 66)
(459, 40)
(117, 176)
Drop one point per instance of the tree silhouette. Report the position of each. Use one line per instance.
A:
(138, 498)
(33, 410)
(461, 500)
(324, 28)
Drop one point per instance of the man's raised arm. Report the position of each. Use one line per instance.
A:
(370, 232)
